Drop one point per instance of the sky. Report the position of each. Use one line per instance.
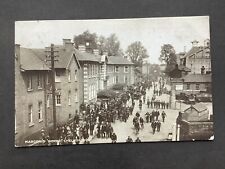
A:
(152, 32)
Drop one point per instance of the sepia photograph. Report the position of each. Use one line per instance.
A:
(113, 81)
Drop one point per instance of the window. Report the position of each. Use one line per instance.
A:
(69, 98)
(57, 77)
(126, 69)
(39, 81)
(188, 86)
(117, 79)
(58, 100)
(197, 86)
(40, 111)
(30, 115)
(75, 76)
(116, 68)
(48, 101)
(30, 86)
(125, 79)
(70, 116)
(69, 76)
(76, 95)
(48, 78)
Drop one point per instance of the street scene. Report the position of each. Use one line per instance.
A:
(107, 81)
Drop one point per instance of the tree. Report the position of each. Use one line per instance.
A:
(110, 45)
(86, 37)
(136, 52)
(168, 56)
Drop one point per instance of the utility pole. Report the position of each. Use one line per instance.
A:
(53, 60)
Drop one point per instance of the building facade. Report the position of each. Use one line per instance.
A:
(33, 97)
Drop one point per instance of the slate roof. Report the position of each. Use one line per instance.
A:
(198, 78)
(84, 56)
(118, 60)
(30, 61)
(64, 56)
(194, 50)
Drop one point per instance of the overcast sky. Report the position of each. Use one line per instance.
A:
(152, 32)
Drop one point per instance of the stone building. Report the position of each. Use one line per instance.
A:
(33, 98)
(198, 57)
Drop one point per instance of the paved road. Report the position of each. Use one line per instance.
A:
(123, 130)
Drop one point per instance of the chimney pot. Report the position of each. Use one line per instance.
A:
(96, 51)
(194, 43)
(82, 48)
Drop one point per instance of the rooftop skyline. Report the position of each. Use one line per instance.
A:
(152, 32)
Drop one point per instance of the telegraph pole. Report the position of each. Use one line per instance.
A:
(52, 60)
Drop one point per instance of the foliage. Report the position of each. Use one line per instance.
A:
(136, 52)
(168, 56)
(118, 86)
(110, 44)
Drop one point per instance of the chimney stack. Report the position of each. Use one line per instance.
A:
(67, 44)
(194, 43)
(96, 51)
(82, 48)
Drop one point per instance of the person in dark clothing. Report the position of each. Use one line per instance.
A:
(147, 116)
(138, 140)
(142, 122)
(158, 125)
(148, 103)
(114, 138)
(86, 141)
(129, 140)
(153, 126)
(163, 116)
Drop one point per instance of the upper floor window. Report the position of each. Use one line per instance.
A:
(48, 101)
(57, 77)
(39, 80)
(58, 100)
(188, 86)
(69, 98)
(76, 95)
(69, 76)
(117, 79)
(30, 85)
(75, 75)
(126, 69)
(197, 87)
(116, 68)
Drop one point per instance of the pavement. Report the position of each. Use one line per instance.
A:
(123, 130)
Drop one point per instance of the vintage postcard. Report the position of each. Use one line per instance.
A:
(112, 81)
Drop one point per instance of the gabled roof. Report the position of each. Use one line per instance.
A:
(199, 107)
(63, 56)
(196, 50)
(30, 61)
(198, 78)
(118, 60)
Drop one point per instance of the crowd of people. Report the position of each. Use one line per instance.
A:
(95, 119)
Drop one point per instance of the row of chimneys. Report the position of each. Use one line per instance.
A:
(206, 43)
(82, 48)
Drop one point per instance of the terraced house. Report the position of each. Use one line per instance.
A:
(33, 98)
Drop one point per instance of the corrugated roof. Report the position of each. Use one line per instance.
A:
(118, 60)
(198, 78)
(30, 61)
